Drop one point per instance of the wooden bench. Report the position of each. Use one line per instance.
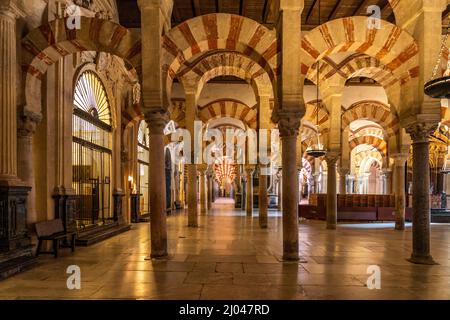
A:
(53, 231)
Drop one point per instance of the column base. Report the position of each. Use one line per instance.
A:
(400, 226)
(291, 256)
(426, 260)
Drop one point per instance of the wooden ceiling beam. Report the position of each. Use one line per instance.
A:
(196, 8)
(362, 9)
(335, 10)
(308, 16)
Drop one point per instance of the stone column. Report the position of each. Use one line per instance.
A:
(343, 180)
(249, 170)
(331, 159)
(399, 190)
(387, 181)
(263, 201)
(420, 133)
(210, 189)
(192, 196)
(280, 189)
(27, 124)
(157, 120)
(289, 129)
(203, 189)
(8, 103)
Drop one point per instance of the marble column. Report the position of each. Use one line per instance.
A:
(263, 200)
(387, 181)
(399, 190)
(289, 129)
(157, 120)
(343, 172)
(280, 189)
(210, 189)
(192, 196)
(332, 159)
(420, 134)
(27, 123)
(249, 170)
(203, 189)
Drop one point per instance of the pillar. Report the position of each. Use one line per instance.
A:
(263, 200)
(8, 84)
(399, 190)
(249, 170)
(331, 159)
(203, 189)
(289, 127)
(27, 124)
(192, 195)
(210, 189)
(420, 134)
(157, 120)
(343, 172)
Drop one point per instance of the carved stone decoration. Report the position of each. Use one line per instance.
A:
(421, 131)
(137, 93)
(15, 244)
(157, 120)
(27, 122)
(289, 124)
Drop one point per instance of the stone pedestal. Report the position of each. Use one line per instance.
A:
(157, 121)
(16, 252)
(65, 207)
(249, 170)
(420, 134)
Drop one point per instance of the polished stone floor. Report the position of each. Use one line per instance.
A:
(230, 257)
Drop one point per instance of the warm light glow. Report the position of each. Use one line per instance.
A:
(225, 170)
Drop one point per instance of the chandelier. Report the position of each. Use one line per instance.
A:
(317, 149)
(439, 88)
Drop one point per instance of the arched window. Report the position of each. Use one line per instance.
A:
(143, 167)
(91, 152)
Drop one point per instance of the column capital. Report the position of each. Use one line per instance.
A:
(12, 9)
(332, 157)
(249, 169)
(27, 122)
(344, 171)
(421, 131)
(400, 158)
(157, 120)
(202, 168)
(288, 123)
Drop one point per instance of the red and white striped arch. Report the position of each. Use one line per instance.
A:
(374, 111)
(47, 44)
(229, 109)
(376, 142)
(392, 46)
(227, 32)
(230, 64)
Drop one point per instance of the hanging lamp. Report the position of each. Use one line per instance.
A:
(317, 150)
(439, 88)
